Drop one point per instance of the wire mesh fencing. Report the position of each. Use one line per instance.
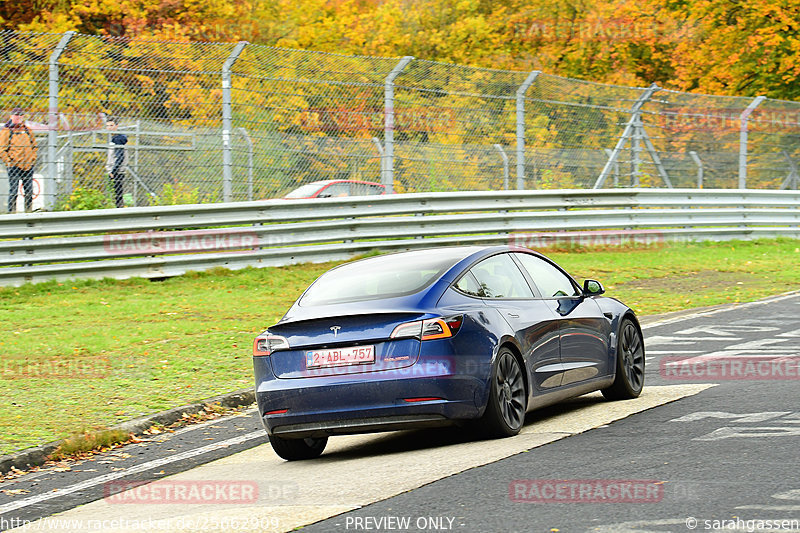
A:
(219, 122)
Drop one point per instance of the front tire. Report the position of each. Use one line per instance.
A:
(298, 449)
(629, 379)
(505, 409)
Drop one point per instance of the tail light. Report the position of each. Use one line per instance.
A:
(433, 328)
(266, 344)
(408, 330)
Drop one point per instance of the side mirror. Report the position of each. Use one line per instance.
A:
(592, 287)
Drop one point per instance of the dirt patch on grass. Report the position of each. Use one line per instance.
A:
(695, 281)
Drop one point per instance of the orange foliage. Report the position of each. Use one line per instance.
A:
(708, 46)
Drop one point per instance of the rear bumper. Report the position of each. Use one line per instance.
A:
(359, 425)
(445, 383)
(366, 403)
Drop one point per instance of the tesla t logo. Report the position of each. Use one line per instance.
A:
(335, 330)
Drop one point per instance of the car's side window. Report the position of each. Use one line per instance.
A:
(366, 189)
(335, 190)
(499, 277)
(469, 285)
(550, 280)
(360, 189)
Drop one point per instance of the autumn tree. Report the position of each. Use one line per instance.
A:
(710, 46)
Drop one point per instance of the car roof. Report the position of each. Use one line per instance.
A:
(326, 182)
(466, 254)
(468, 249)
(463, 258)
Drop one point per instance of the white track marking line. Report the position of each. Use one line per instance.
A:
(143, 467)
(733, 307)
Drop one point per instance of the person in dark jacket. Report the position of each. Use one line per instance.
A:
(18, 151)
(117, 160)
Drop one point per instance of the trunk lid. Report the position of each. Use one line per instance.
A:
(339, 334)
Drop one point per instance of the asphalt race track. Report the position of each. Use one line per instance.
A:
(712, 445)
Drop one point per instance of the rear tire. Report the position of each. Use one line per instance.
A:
(505, 409)
(298, 449)
(629, 379)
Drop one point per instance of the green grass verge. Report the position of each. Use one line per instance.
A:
(120, 349)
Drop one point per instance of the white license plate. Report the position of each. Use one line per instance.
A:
(354, 355)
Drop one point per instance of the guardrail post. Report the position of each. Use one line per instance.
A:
(49, 189)
(387, 169)
(227, 174)
(247, 138)
(629, 127)
(503, 154)
(521, 90)
(743, 139)
(699, 164)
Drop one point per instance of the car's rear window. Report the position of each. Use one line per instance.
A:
(380, 277)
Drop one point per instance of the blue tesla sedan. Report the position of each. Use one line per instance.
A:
(435, 337)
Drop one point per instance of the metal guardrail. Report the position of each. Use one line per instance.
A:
(156, 242)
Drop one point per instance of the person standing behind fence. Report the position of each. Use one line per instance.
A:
(116, 161)
(18, 150)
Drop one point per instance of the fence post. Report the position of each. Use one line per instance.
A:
(227, 174)
(64, 157)
(503, 154)
(49, 190)
(629, 126)
(387, 168)
(699, 164)
(136, 151)
(377, 143)
(653, 155)
(616, 167)
(793, 177)
(521, 90)
(636, 149)
(247, 138)
(743, 139)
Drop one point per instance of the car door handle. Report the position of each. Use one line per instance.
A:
(513, 315)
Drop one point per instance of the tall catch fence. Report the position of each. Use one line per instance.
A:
(220, 122)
